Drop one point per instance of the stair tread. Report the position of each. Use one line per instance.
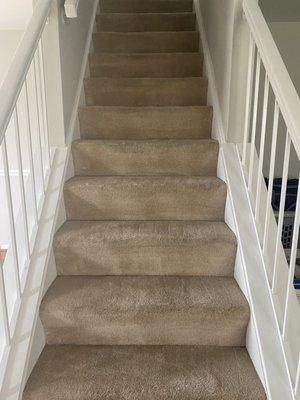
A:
(146, 6)
(142, 65)
(143, 22)
(144, 310)
(119, 122)
(144, 373)
(145, 248)
(145, 157)
(146, 42)
(145, 198)
(138, 92)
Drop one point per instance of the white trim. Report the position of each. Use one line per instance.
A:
(265, 340)
(218, 131)
(71, 8)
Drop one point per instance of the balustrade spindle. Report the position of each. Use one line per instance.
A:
(271, 176)
(285, 172)
(248, 97)
(11, 218)
(22, 184)
(254, 122)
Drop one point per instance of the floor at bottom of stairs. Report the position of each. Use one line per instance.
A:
(143, 372)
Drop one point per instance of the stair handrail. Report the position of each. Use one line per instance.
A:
(13, 82)
(281, 82)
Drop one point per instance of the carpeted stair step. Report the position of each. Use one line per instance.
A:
(139, 22)
(145, 6)
(145, 248)
(145, 157)
(135, 92)
(142, 65)
(146, 42)
(146, 122)
(145, 198)
(141, 310)
(144, 373)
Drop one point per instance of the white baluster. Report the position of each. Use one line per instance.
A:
(293, 259)
(255, 110)
(248, 97)
(40, 63)
(32, 171)
(11, 218)
(21, 184)
(4, 313)
(262, 147)
(39, 125)
(271, 176)
(286, 162)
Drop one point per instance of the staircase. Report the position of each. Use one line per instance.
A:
(145, 305)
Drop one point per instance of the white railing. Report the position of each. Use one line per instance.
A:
(25, 163)
(271, 149)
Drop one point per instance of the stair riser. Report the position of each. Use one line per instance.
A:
(153, 65)
(161, 42)
(145, 198)
(145, 157)
(145, 311)
(149, 123)
(143, 6)
(145, 248)
(145, 22)
(146, 92)
(150, 372)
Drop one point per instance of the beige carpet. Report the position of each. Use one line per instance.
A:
(145, 305)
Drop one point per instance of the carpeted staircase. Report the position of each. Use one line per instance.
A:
(145, 305)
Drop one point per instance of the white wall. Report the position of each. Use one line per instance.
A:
(281, 10)
(228, 44)
(72, 35)
(218, 23)
(64, 45)
(9, 40)
(15, 14)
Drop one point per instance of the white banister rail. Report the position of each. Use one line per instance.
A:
(25, 163)
(271, 149)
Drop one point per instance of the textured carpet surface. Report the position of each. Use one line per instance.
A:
(141, 22)
(142, 65)
(146, 42)
(145, 310)
(136, 92)
(145, 198)
(142, 157)
(144, 373)
(145, 305)
(145, 248)
(145, 122)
